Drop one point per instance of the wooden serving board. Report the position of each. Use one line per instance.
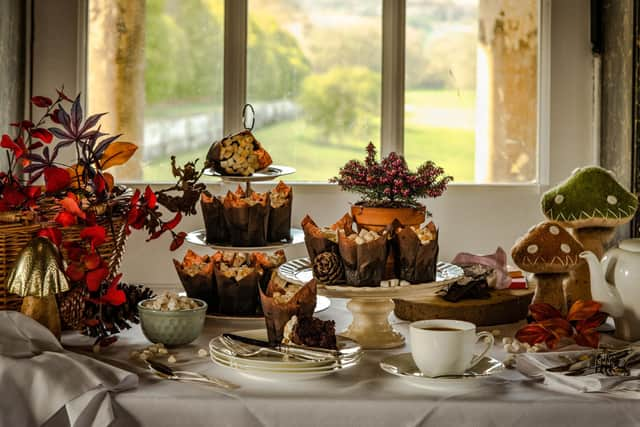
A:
(504, 306)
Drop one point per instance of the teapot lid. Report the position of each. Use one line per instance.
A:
(631, 245)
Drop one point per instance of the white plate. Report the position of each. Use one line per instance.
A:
(322, 303)
(245, 364)
(266, 174)
(349, 350)
(402, 365)
(199, 238)
(276, 376)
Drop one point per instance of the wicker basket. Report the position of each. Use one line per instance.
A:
(14, 237)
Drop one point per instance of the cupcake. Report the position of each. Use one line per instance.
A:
(237, 283)
(319, 240)
(281, 301)
(268, 263)
(364, 256)
(247, 217)
(416, 253)
(280, 200)
(196, 275)
(214, 222)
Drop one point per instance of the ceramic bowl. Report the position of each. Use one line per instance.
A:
(172, 328)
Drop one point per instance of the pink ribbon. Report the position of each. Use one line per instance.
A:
(497, 261)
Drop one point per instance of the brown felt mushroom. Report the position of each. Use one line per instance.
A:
(38, 276)
(550, 252)
(592, 203)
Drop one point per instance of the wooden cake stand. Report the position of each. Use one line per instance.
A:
(371, 306)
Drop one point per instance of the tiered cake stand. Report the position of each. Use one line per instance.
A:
(371, 306)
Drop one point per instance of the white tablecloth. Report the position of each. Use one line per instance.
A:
(362, 396)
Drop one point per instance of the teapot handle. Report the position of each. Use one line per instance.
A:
(608, 266)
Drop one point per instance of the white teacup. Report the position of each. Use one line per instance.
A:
(445, 347)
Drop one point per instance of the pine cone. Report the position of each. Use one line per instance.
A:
(71, 306)
(328, 268)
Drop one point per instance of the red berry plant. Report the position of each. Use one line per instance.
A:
(56, 174)
(389, 182)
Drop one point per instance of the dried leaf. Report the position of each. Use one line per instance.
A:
(95, 277)
(582, 310)
(532, 334)
(41, 101)
(587, 338)
(544, 311)
(56, 179)
(150, 198)
(42, 134)
(117, 154)
(178, 240)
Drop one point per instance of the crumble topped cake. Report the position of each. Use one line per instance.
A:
(310, 332)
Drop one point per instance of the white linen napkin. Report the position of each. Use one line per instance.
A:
(536, 365)
(38, 377)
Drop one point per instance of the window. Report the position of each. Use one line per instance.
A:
(314, 75)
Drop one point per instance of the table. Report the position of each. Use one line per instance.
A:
(361, 396)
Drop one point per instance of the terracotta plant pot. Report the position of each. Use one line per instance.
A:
(377, 219)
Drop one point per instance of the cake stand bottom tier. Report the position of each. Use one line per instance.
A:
(504, 306)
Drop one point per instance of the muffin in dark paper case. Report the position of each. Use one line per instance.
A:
(364, 256)
(280, 200)
(214, 223)
(247, 217)
(416, 253)
(319, 240)
(238, 154)
(237, 283)
(196, 275)
(281, 301)
(269, 264)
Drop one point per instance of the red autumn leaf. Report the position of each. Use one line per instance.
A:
(173, 223)
(75, 272)
(13, 196)
(54, 116)
(74, 252)
(65, 219)
(96, 234)
(114, 295)
(558, 328)
(62, 95)
(25, 124)
(56, 179)
(150, 198)
(99, 183)
(135, 198)
(95, 278)
(70, 204)
(582, 310)
(591, 323)
(532, 334)
(588, 338)
(92, 261)
(42, 134)
(177, 241)
(41, 101)
(52, 233)
(17, 146)
(32, 191)
(543, 311)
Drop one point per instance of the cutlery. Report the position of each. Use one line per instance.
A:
(237, 349)
(169, 373)
(311, 353)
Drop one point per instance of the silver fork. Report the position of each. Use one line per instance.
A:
(169, 373)
(240, 350)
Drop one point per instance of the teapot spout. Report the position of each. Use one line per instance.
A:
(601, 290)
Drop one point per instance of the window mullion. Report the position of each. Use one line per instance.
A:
(393, 76)
(235, 64)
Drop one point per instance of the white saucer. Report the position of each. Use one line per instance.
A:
(402, 365)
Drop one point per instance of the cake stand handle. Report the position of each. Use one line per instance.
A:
(370, 326)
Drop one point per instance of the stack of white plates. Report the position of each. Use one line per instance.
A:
(275, 367)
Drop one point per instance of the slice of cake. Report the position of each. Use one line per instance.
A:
(310, 332)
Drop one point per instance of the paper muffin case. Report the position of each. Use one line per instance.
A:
(364, 264)
(276, 315)
(279, 228)
(315, 240)
(199, 286)
(247, 225)
(414, 262)
(214, 221)
(237, 298)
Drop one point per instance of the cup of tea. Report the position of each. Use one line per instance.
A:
(445, 347)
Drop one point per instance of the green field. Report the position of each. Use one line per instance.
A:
(433, 131)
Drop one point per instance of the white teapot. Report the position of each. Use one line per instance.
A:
(615, 282)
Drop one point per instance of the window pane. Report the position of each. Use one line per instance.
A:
(313, 76)
(156, 67)
(471, 88)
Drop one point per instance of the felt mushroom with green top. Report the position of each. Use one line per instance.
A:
(38, 276)
(550, 252)
(592, 203)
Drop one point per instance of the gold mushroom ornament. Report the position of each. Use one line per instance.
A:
(38, 276)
